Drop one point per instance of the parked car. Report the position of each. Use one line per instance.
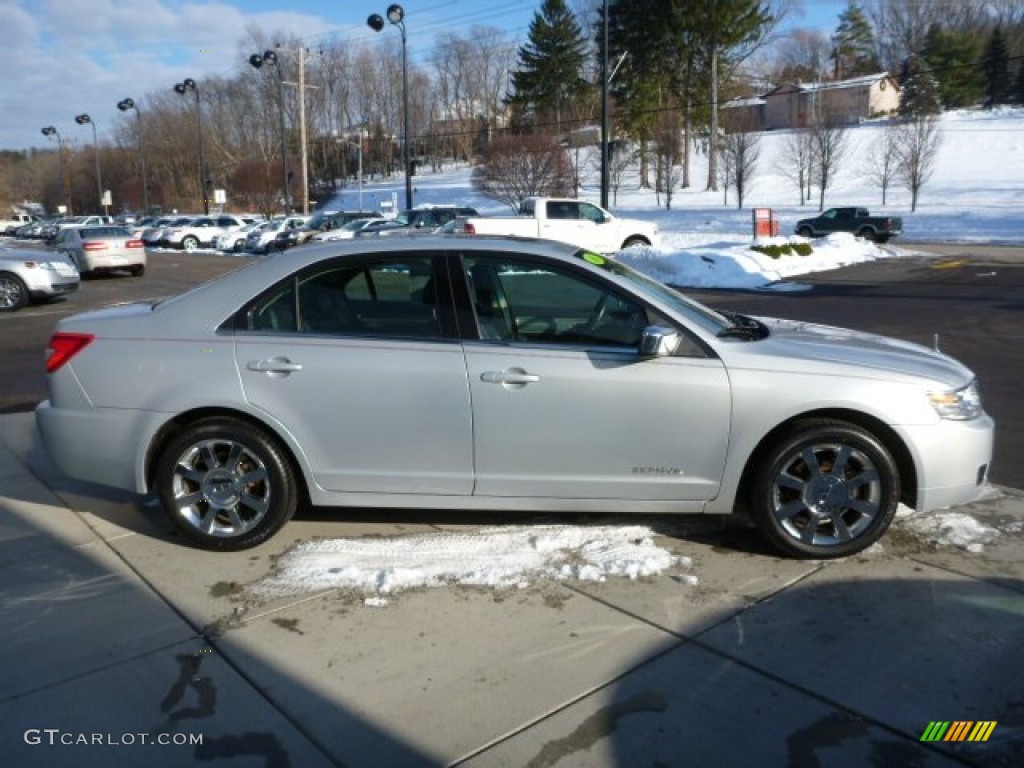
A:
(360, 227)
(433, 217)
(31, 275)
(326, 221)
(152, 235)
(69, 222)
(202, 231)
(452, 372)
(102, 249)
(856, 221)
(233, 241)
(35, 231)
(15, 221)
(566, 220)
(259, 239)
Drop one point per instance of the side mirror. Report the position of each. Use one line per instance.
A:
(659, 341)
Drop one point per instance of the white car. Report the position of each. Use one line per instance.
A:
(259, 239)
(233, 241)
(360, 228)
(202, 231)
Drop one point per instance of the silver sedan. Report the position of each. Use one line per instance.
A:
(31, 275)
(102, 248)
(489, 374)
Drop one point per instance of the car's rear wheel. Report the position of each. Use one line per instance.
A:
(13, 293)
(190, 243)
(825, 489)
(226, 485)
(138, 270)
(868, 234)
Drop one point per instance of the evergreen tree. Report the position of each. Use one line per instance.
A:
(1018, 88)
(995, 63)
(854, 44)
(920, 95)
(548, 84)
(953, 59)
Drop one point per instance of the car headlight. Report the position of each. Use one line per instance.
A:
(960, 404)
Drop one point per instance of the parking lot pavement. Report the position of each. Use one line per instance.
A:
(115, 633)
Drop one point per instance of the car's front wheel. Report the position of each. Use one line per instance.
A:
(226, 485)
(825, 489)
(190, 243)
(635, 242)
(805, 232)
(13, 293)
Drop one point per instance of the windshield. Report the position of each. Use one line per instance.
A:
(705, 317)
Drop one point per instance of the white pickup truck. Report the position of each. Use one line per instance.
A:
(566, 220)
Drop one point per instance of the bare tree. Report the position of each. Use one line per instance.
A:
(829, 142)
(796, 161)
(917, 147)
(620, 159)
(513, 168)
(667, 150)
(882, 161)
(741, 149)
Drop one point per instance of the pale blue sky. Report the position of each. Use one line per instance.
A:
(65, 57)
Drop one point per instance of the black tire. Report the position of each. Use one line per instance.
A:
(226, 485)
(868, 234)
(805, 232)
(811, 511)
(190, 243)
(13, 293)
(138, 270)
(635, 242)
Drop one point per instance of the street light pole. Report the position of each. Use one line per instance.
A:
(186, 85)
(124, 105)
(51, 132)
(605, 120)
(84, 119)
(270, 58)
(396, 16)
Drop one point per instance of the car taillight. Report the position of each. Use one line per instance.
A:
(94, 245)
(133, 244)
(64, 346)
(469, 229)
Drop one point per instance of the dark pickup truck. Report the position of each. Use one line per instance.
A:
(856, 221)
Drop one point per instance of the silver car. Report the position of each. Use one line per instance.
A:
(487, 374)
(28, 275)
(96, 249)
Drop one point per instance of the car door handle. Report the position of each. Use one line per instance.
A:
(274, 365)
(515, 376)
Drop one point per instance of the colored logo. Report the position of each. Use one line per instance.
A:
(958, 730)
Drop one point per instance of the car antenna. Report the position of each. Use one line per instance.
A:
(937, 348)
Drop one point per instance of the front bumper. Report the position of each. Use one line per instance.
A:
(953, 459)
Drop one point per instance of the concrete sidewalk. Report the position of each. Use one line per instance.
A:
(124, 646)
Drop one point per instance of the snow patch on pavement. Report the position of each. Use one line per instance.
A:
(509, 557)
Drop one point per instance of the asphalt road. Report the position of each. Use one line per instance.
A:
(972, 298)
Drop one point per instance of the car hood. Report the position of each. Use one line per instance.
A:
(858, 353)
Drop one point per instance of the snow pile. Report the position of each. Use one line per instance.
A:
(953, 529)
(684, 261)
(495, 557)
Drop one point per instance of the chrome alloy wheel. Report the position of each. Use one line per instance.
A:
(221, 488)
(12, 293)
(826, 494)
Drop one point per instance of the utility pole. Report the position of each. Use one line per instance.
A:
(303, 54)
